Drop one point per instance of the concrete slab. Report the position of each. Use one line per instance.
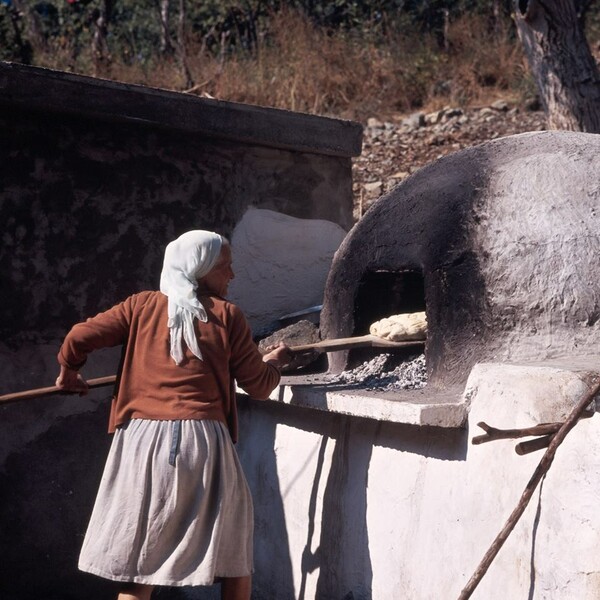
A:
(423, 407)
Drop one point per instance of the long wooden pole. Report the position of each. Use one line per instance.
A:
(322, 346)
(53, 390)
(540, 471)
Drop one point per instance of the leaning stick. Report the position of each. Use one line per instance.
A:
(533, 445)
(539, 472)
(492, 433)
(53, 390)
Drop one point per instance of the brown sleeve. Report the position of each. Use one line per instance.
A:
(105, 330)
(257, 378)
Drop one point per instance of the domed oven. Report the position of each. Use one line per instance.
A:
(497, 243)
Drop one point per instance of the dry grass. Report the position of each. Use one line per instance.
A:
(304, 68)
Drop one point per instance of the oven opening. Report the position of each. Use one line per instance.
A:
(382, 294)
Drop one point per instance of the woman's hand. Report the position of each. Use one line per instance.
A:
(71, 381)
(278, 355)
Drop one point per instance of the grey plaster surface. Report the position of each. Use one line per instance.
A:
(506, 236)
(427, 406)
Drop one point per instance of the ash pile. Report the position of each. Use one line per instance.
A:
(385, 372)
(382, 373)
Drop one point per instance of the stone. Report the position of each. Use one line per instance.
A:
(435, 140)
(500, 105)
(374, 123)
(414, 121)
(451, 113)
(297, 334)
(433, 118)
(374, 189)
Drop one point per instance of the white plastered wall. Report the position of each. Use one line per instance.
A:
(430, 503)
(280, 264)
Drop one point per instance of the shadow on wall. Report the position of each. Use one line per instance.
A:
(47, 491)
(342, 557)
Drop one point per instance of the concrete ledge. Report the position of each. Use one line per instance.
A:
(550, 389)
(424, 407)
(545, 392)
(55, 91)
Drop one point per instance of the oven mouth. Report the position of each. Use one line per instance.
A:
(380, 294)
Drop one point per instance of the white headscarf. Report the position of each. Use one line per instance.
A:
(189, 257)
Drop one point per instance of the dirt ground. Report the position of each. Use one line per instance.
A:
(392, 150)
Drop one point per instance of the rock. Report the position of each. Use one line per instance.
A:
(435, 140)
(414, 121)
(433, 118)
(400, 175)
(450, 113)
(500, 105)
(411, 149)
(374, 189)
(297, 334)
(374, 123)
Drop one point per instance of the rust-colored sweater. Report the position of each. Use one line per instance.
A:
(150, 385)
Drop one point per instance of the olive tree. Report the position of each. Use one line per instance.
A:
(561, 63)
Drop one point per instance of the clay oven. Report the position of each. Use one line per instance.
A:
(498, 243)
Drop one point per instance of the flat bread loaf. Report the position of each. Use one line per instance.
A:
(405, 326)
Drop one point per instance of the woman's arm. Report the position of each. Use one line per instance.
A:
(107, 329)
(71, 381)
(278, 355)
(257, 375)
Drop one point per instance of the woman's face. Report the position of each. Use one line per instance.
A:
(218, 279)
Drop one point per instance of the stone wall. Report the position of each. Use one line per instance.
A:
(96, 178)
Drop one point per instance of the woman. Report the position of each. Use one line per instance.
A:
(173, 506)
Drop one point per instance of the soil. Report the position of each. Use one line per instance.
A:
(394, 149)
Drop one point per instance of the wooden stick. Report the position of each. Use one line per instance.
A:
(362, 341)
(330, 345)
(533, 445)
(53, 390)
(540, 471)
(492, 433)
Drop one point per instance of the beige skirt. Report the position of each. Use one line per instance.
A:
(173, 507)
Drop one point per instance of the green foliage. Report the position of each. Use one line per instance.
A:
(8, 46)
(344, 57)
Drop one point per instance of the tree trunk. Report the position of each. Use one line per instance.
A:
(25, 49)
(561, 62)
(182, 47)
(165, 38)
(100, 51)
